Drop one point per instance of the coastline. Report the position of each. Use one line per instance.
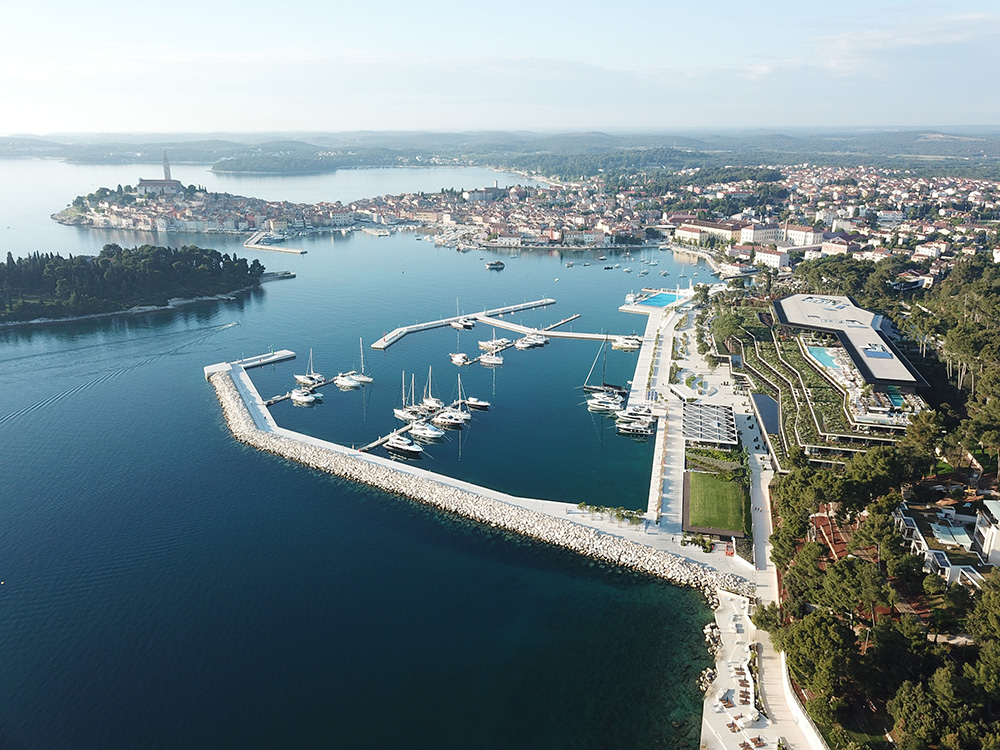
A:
(172, 304)
(462, 499)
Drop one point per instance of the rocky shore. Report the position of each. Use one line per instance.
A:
(375, 472)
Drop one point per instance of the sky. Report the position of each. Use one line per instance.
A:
(252, 66)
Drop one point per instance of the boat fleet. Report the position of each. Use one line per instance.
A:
(309, 383)
(428, 419)
(492, 347)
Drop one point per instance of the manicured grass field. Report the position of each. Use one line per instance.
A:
(715, 503)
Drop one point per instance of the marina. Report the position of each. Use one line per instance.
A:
(271, 545)
(256, 242)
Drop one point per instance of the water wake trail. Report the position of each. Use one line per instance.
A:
(49, 400)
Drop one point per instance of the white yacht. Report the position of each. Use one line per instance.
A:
(302, 396)
(311, 377)
(426, 431)
(491, 360)
(604, 402)
(459, 358)
(626, 343)
(403, 446)
(494, 343)
(346, 380)
(477, 403)
(641, 429)
(637, 413)
(449, 418)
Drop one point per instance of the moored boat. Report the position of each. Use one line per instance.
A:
(302, 396)
(403, 446)
(311, 377)
(491, 360)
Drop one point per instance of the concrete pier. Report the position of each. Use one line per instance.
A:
(393, 336)
(254, 243)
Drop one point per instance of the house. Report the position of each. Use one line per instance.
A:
(772, 258)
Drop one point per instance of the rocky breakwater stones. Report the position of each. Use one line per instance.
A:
(375, 472)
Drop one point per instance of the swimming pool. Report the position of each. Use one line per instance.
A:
(662, 299)
(894, 396)
(824, 356)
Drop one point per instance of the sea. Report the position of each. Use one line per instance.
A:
(163, 586)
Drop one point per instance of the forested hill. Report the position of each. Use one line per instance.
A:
(45, 285)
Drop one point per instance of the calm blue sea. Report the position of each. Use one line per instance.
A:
(165, 586)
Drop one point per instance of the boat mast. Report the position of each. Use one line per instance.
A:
(595, 362)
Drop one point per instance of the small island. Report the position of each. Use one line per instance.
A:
(47, 285)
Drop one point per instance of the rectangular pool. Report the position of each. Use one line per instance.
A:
(661, 299)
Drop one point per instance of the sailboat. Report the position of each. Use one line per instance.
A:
(311, 377)
(411, 412)
(604, 387)
(451, 417)
(362, 377)
(430, 401)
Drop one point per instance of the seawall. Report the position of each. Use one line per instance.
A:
(387, 476)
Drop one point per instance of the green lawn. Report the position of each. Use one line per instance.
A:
(715, 503)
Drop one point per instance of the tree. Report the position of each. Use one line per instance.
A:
(915, 715)
(984, 622)
(922, 438)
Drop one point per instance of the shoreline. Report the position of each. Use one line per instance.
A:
(172, 304)
(443, 493)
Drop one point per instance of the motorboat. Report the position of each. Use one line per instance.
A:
(347, 381)
(626, 343)
(664, 273)
(426, 431)
(602, 257)
(459, 358)
(569, 264)
(491, 360)
(495, 265)
(639, 429)
(403, 446)
(477, 403)
(450, 418)
(604, 402)
(627, 269)
(311, 377)
(302, 396)
(636, 413)
(494, 343)
(644, 272)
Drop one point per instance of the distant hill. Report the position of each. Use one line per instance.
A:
(975, 151)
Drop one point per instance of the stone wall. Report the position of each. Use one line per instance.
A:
(563, 532)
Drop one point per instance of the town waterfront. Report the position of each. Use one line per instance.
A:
(167, 586)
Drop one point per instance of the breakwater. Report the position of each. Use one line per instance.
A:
(388, 477)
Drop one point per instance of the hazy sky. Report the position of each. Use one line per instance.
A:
(390, 65)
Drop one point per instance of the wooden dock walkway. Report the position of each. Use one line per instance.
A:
(393, 336)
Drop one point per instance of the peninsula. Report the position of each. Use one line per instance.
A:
(47, 285)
